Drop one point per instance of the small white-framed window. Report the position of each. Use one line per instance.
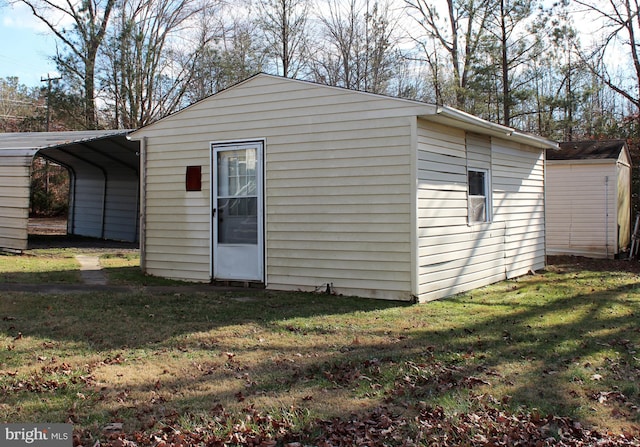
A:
(479, 197)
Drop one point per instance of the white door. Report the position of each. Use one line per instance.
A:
(238, 218)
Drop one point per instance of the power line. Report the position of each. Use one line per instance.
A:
(13, 117)
(17, 101)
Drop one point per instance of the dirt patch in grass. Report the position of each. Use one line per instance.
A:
(578, 263)
(47, 226)
(50, 233)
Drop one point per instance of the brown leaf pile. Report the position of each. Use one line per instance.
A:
(50, 378)
(252, 429)
(487, 427)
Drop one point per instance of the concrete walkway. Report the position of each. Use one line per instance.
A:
(91, 271)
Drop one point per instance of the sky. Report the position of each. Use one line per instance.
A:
(26, 46)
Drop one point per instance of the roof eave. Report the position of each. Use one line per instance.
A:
(35, 141)
(466, 121)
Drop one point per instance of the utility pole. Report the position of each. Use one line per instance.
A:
(48, 80)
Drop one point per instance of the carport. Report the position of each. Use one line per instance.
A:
(103, 190)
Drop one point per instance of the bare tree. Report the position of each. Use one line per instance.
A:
(82, 41)
(150, 60)
(382, 57)
(459, 34)
(240, 54)
(360, 46)
(342, 31)
(284, 27)
(619, 34)
(208, 30)
(21, 107)
(234, 54)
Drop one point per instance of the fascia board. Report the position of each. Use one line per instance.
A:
(457, 118)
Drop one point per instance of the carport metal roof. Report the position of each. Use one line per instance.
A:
(104, 182)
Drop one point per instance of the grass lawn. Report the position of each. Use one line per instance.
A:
(550, 357)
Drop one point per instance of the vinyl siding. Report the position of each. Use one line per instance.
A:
(341, 195)
(518, 200)
(178, 221)
(578, 221)
(337, 186)
(361, 194)
(14, 201)
(456, 256)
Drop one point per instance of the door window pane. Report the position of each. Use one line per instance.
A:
(238, 221)
(237, 173)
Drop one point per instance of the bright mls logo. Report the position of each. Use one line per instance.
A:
(36, 435)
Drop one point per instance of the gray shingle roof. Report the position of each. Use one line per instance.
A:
(587, 150)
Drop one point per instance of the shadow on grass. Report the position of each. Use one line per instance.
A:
(110, 325)
(124, 320)
(586, 339)
(552, 342)
(519, 360)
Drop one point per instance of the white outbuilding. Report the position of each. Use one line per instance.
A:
(293, 185)
(589, 199)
